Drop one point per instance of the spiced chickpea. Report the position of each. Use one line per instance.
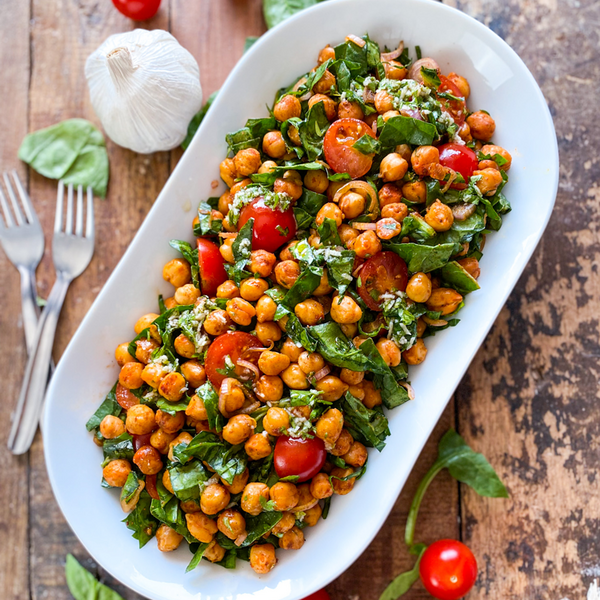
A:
(262, 558)
(340, 487)
(288, 185)
(349, 329)
(387, 228)
(389, 352)
(140, 420)
(328, 53)
(231, 523)
(461, 83)
(482, 126)
(161, 440)
(225, 201)
(422, 157)
(397, 211)
(172, 387)
(487, 164)
(312, 515)
(153, 374)
(122, 354)
(116, 472)
(239, 482)
(419, 287)
(194, 373)
(292, 539)
(146, 322)
(111, 427)
(350, 110)
(439, 216)
(323, 289)
(309, 312)
(228, 289)
(214, 499)
(386, 116)
(166, 481)
(470, 265)
(294, 135)
(384, 101)
(421, 327)
(389, 194)
(416, 354)
(262, 262)
(227, 172)
(265, 309)
(269, 388)
(196, 409)
(295, 378)
(167, 539)
(276, 421)
(320, 486)
(148, 460)
(324, 85)
(257, 446)
(226, 250)
(183, 438)
(287, 107)
(415, 192)
(201, 527)
(356, 456)
(393, 167)
(329, 426)
(316, 181)
(330, 211)
(273, 144)
(130, 375)
(372, 395)
(348, 235)
(344, 309)
(310, 362)
(288, 520)
(328, 105)
(272, 363)
(286, 273)
(268, 332)
(183, 346)
(267, 166)
(492, 150)
(351, 377)
(231, 396)
(214, 553)
(444, 300)
(189, 506)
(251, 495)
(169, 423)
(342, 444)
(177, 272)
(240, 311)
(187, 294)
(289, 348)
(367, 244)
(352, 205)
(217, 322)
(489, 180)
(284, 496)
(333, 187)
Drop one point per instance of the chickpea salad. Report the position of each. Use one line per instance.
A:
(351, 230)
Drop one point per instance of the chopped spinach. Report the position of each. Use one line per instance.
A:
(406, 130)
(208, 395)
(455, 276)
(140, 521)
(423, 258)
(242, 249)
(368, 426)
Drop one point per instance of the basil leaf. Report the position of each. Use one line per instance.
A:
(339, 270)
(276, 11)
(403, 582)
(461, 231)
(197, 119)
(171, 515)
(354, 57)
(259, 525)
(206, 224)
(197, 557)
(456, 277)
(308, 281)
(312, 131)
(337, 349)
(369, 426)
(420, 257)
(191, 255)
(186, 479)
(73, 150)
(406, 130)
(140, 521)
(208, 394)
(367, 145)
(242, 249)
(299, 334)
(83, 585)
(307, 207)
(119, 447)
(109, 406)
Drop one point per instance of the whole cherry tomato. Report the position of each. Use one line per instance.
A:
(125, 397)
(300, 457)
(212, 267)
(138, 10)
(234, 344)
(456, 108)
(459, 158)
(320, 595)
(339, 153)
(448, 569)
(272, 227)
(383, 272)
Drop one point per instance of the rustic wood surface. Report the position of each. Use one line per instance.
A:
(529, 400)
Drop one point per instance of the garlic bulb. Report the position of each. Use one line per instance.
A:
(145, 88)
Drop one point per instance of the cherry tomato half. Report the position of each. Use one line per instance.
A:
(320, 595)
(234, 344)
(339, 153)
(448, 569)
(272, 228)
(383, 272)
(125, 397)
(458, 158)
(456, 108)
(141, 440)
(138, 10)
(151, 486)
(296, 456)
(212, 267)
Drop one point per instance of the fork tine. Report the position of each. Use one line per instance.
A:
(25, 200)
(5, 210)
(79, 221)
(13, 200)
(60, 196)
(69, 221)
(89, 226)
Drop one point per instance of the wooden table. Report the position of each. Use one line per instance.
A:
(530, 398)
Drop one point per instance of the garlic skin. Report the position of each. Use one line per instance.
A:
(145, 89)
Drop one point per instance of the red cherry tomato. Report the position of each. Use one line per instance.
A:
(296, 456)
(383, 272)
(138, 10)
(141, 440)
(125, 397)
(272, 228)
(448, 569)
(458, 158)
(320, 595)
(339, 153)
(234, 344)
(456, 108)
(212, 267)
(151, 486)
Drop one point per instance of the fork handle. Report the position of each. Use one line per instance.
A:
(32, 393)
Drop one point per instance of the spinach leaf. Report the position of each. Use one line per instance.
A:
(461, 231)
(303, 287)
(258, 526)
(328, 233)
(420, 257)
(197, 119)
(367, 145)
(186, 479)
(406, 130)
(276, 11)
(109, 406)
(299, 334)
(171, 515)
(251, 135)
(416, 228)
(336, 348)
(130, 487)
(456, 277)
(191, 255)
(119, 447)
(198, 554)
(339, 270)
(172, 408)
(369, 426)
(140, 521)
(229, 560)
(242, 249)
(354, 57)
(312, 131)
(83, 585)
(403, 582)
(208, 395)
(270, 177)
(206, 224)
(73, 150)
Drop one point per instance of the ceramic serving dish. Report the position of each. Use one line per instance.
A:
(502, 85)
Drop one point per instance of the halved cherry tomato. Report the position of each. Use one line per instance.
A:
(339, 153)
(212, 267)
(456, 108)
(383, 272)
(138, 10)
(141, 440)
(301, 457)
(125, 397)
(448, 569)
(460, 159)
(151, 486)
(234, 344)
(272, 227)
(320, 595)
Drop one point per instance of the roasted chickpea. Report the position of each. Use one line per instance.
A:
(288, 185)
(161, 440)
(170, 423)
(187, 294)
(419, 287)
(251, 495)
(287, 107)
(330, 424)
(196, 409)
(228, 289)
(351, 377)
(324, 85)
(267, 166)
(372, 395)
(348, 235)
(415, 192)
(148, 461)
(167, 539)
(470, 265)
(231, 396)
(333, 187)
(262, 558)
(227, 172)
(170, 303)
(286, 273)
(284, 495)
(268, 332)
(310, 362)
(239, 482)
(461, 83)
(194, 373)
(343, 443)
(328, 53)
(386, 116)
(320, 486)
(172, 387)
(214, 499)
(415, 355)
(397, 211)
(247, 162)
(489, 181)
(328, 105)
(272, 363)
(231, 523)
(292, 539)
(389, 352)
(389, 194)
(111, 427)
(394, 70)
(140, 419)
(183, 438)
(350, 110)
(388, 228)
(217, 322)
(482, 126)
(214, 552)
(356, 456)
(290, 349)
(189, 506)
(225, 201)
(238, 429)
(201, 527)
(257, 446)
(116, 472)
(269, 388)
(367, 244)
(177, 272)
(276, 421)
(153, 374)
(240, 311)
(487, 164)
(422, 157)
(329, 211)
(341, 487)
(265, 309)
(349, 329)
(316, 181)
(262, 262)
(393, 167)
(492, 150)
(444, 300)
(122, 355)
(295, 378)
(145, 322)
(273, 144)
(130, 375)
(226, 250)
(352, 205)
(421, 327)
(384, 101)
(294, 135)
(345, 310)
(309, 312)
(439, 216)
(183, 346)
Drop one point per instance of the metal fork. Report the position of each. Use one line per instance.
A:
(22, 238)
(72, 252)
